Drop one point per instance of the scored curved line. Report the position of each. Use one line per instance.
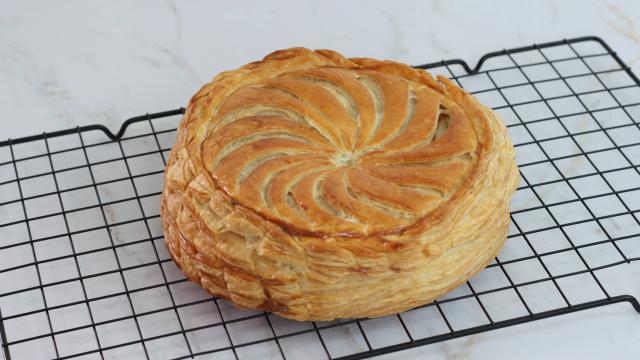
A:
(269, 110)
(255, 163)
(397, 211)
(264, 188)
(440, 129)
(344, 98)
(237, 143)
(260, 124)
(423, 125)
(437, 165)
(377, 96)
(324, 204)
(318, 111)
(290, 188)
(430, 189)
(346, 202)
(409, 118)
(264, 110)
(346, 82)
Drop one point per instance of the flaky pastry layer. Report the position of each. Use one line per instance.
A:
(319, 187)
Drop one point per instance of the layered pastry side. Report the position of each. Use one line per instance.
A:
(320, 187)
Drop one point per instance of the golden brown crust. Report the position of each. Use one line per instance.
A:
(320, 187)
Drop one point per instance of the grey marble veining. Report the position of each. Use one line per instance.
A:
(76, 63)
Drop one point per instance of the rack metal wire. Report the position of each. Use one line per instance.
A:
(84, 271)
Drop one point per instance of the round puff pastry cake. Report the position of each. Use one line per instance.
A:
(319, 187)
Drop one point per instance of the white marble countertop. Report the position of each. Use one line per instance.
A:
(64, 64)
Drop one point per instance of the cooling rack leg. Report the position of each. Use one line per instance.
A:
(633, 301)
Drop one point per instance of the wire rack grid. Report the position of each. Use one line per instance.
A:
(84, 271)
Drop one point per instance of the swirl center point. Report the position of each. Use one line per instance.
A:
(345, 159)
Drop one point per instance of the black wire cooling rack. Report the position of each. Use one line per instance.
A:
(84, 271)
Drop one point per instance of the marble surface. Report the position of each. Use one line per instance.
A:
(78, 63)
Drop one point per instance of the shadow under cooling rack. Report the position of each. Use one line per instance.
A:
(84, 271)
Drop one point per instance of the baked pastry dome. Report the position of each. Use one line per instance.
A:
(320, 187)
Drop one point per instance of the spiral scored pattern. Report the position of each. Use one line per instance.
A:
(334, 151)
(320, 187)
